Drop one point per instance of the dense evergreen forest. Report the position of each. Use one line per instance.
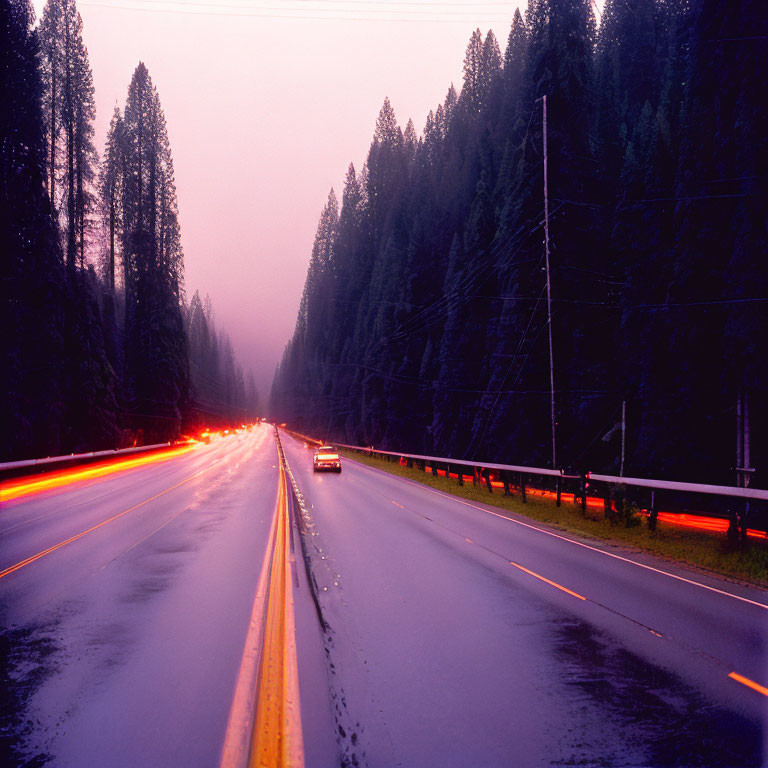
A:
(100, 348)
(423, 324)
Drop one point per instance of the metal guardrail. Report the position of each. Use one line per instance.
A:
(737, 525)
(462, 462)
(9, 465)
(674, 485)
(668, 485)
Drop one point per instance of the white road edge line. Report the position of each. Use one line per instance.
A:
(572, 541)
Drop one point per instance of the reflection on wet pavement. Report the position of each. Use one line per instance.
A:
(660, 721)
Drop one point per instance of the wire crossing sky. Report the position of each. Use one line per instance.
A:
(330, 10)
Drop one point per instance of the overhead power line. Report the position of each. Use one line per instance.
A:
(310, 10)
(354, 5)
(711, 303)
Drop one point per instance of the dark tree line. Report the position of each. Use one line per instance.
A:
(100, 349)
(217, 379)
(423, 324)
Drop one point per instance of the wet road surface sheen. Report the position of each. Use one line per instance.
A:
(442, 654)
(419, 642)
(121, 649)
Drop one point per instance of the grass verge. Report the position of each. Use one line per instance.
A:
(705, 550)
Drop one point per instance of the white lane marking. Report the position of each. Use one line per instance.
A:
(571, 541)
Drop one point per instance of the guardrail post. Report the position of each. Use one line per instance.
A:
(559, 491)
(409, 463)
(487, 476)
(505, 480)
(434, 469)
(583, 494)
(654, 513)
(522, 488)
(460, 473)
(743, 526)
(733, 527)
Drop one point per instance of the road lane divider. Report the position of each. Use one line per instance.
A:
(277, 739)
(733, 675)
(749, 683)
(503, 557)
(237, 739)
(599, 551)
(547, 581)
(264, 729)
(493, 552)
(34, 558)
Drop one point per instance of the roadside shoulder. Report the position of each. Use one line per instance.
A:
(681, 553)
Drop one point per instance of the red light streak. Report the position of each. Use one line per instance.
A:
(26, 486)
(78, 536)
(695, 522)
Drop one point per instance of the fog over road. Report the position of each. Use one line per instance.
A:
(453, 636)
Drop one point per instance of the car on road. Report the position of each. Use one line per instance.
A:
(326, 457)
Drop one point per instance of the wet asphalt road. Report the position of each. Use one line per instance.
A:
(122, 648)
(445, 654)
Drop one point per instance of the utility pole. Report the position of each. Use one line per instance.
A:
(739, 441)
(748, 469)
(747, 459)
(549, 292)
(743, 458)
(623, 434)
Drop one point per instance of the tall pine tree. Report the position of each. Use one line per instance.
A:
(157, 371)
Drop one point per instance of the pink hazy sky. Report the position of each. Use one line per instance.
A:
(264, 115)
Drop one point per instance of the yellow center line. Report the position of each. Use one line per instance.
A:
(277, 734)
(29, 560)
(396, 504)
(552, 583)
(749, 683)
(237, 740)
